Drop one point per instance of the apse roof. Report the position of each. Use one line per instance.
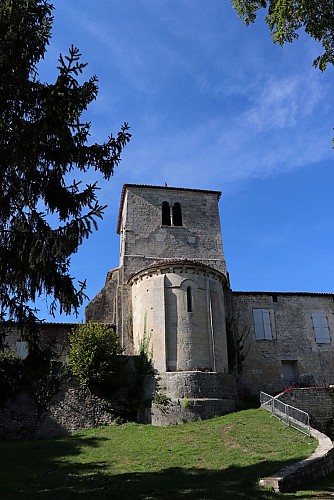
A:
(176, 262)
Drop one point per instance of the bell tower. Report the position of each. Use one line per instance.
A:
(169, 292)
(159, 223)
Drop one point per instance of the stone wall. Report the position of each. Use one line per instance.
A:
(102, 308)
(53, 336)
(73, 408)
(317, 402)
(315, 467)
(292, 340)
(191, 396)
(144, 239)
(189, 410)
(18, 417)
(181, 339)
(194, 384)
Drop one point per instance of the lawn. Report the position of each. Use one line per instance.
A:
(213, 459)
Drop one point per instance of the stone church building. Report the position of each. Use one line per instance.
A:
(211, 347)
(172, 290)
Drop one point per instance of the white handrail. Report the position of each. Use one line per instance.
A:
(291, 416)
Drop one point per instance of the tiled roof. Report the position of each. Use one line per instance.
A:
(64, 323)
(282, 293)
(110, 273)
(175, 262)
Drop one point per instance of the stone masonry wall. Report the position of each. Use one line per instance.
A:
(318, 402)
(193, 396)
(53, 336)
(102, 308)
(179, 385)
(313, 468)
(181, 339)
(73, 408)
(183, 411)
(144, 239)
(293, 340)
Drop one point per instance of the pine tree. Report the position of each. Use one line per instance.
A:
(44, 217)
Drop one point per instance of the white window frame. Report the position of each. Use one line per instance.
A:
(321, 327)
(262, 324)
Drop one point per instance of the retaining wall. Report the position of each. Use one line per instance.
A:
(192, 396)
(73, 408)
(318, 402)
(315, 467)
(197, 384)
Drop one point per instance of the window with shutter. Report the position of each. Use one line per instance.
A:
(22, 349)
(320, 326)
(262, 324)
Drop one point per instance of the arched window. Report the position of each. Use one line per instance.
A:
(165, 214)
(177, 214)
(189, 300)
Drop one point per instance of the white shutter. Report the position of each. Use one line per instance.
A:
(262, 324)
(321, 330)
(258, 324)
(325, 329)
(266, 324)
(317, 327)
(22, 349)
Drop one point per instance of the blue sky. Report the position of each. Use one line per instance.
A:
(211, 105)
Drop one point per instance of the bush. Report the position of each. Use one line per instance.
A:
(42, 385)
(93, 353)
(11, 373)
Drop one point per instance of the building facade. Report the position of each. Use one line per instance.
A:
(170, 284)
(289, 339)
(172, 291)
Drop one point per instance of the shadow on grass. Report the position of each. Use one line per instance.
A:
(57, 469)
(38, 469)
(189, 484)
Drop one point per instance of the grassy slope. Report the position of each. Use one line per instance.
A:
(213, 459)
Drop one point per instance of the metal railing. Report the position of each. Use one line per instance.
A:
(290, 415)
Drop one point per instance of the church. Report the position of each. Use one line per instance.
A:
(172, 290)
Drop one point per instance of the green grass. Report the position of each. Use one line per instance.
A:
(213, 459)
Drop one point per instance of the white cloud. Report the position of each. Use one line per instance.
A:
(205, 102)
(283, 102)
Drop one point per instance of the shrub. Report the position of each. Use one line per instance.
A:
(144, 360)
(161, 399)
(35, 375)
(43, 385)
(94, 349)
(11, 373)
(185, 403)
